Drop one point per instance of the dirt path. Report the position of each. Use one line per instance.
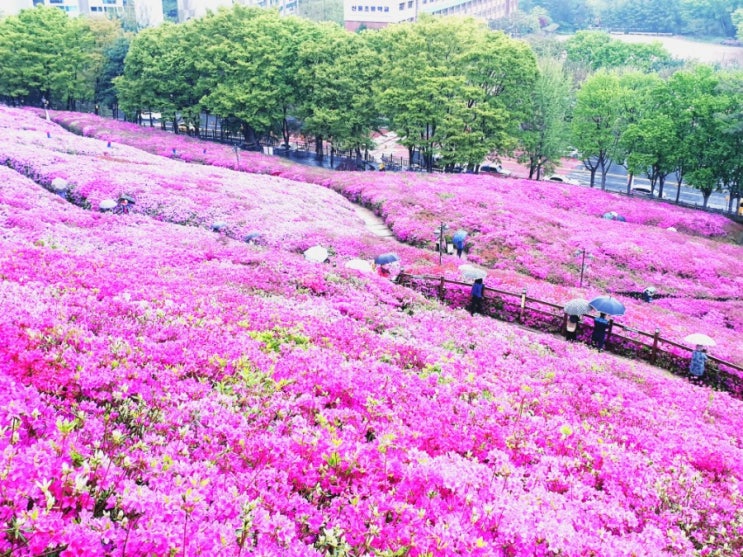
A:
(373, 223)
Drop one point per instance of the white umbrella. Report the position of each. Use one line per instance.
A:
(577, 306)
(359, 265)
(470, 272)
(700, 340)
(316, 254)
(60, 184)
(107, 204)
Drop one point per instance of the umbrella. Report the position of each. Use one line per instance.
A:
(359, 265)
(608, 305)
(577, 306)
(386, 259)
(252, 237)
(650, 290)
(620, 218)
(60, 184)
(219, 225)
(316, 254)
(127, 197)
(459, 236)
(700, 339)
(470, 272)
(107, 204)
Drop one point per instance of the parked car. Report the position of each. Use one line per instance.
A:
(643, 191)
(496, 169)
(563, 180)
(155, 116)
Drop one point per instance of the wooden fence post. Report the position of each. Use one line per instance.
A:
(442, 289)
(523, 305)
(654, 354)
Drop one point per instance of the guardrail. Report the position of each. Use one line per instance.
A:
(545, 316)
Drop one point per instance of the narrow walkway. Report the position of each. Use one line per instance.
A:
(373, 223)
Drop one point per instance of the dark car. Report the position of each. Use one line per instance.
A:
(494, 169)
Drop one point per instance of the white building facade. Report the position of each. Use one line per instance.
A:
(374, 14)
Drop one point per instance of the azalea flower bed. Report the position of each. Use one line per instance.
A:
(169, 391)
(531, 229)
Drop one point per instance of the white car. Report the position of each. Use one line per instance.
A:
(563, 180)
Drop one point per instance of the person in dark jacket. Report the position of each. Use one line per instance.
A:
(571, 327)
(478, 289)
(698, 362)
(122, 206)
(600, 326)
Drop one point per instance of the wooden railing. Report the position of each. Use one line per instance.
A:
(541, 315)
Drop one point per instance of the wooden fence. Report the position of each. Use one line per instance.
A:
(541, 315)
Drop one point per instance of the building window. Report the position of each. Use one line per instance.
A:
(374, 8)
(386, 8)
(402, 6)
(366, 8)
(410, 4)
(353, 8)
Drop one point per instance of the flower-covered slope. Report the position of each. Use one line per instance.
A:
(529, 230)
(195, 395)
(170, 391)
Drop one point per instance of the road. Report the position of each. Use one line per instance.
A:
(616, 180)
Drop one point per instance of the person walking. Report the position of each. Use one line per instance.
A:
(698, 362)
(122, 206)
(571, 327)
(477, 293)
(600, 325)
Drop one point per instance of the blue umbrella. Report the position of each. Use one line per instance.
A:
(607, 305)
(458, 239)
(459, 236)
(386, 259)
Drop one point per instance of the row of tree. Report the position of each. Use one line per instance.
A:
(449, 87)
(453, 90)
(691, 17)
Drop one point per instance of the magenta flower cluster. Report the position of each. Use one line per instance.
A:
(170, 390)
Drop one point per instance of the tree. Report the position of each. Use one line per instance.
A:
(730, 124)
(710, 17)
(595, 50)
(595, 126)
(333, 98)
(253, 65)
(43, 53)
(647, 128)
(113, 67)
(695, 103)
(544, 131)
(452, 89)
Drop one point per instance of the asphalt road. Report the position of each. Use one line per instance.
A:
(616, 180)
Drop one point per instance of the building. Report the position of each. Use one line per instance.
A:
(148, 13)
(80, 7)
(375, 14)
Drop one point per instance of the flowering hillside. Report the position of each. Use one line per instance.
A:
(167, 390)
(527, 230)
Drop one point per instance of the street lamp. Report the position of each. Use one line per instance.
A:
(582, 253)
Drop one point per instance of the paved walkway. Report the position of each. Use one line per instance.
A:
(373, 223)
